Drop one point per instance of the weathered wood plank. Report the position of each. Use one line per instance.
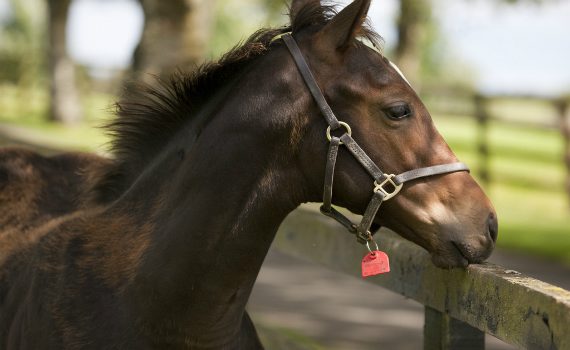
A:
(517, 309)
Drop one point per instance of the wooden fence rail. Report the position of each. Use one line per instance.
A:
(461, 305)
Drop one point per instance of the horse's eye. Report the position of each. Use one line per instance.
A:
(398, 112)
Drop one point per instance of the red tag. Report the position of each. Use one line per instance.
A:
(375, 263)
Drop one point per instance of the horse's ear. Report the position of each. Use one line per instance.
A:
(297, 5)
(345, 25)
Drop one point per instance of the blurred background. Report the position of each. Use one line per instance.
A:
(493, 73)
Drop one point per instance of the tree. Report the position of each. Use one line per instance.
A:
(64, 97)
(413, 27)
(275, 9)
(21, 41)
(175, 35)
(417, 36)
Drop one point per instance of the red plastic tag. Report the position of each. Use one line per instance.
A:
(375, 263)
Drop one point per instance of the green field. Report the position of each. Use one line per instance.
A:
(526, 165)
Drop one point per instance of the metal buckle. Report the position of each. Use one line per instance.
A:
(379, 187)
(363, 237)
(343, 124)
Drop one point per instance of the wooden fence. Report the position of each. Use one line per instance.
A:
(483, 117)
(555, 115)
(461, 305)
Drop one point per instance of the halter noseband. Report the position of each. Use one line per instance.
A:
(386, 186)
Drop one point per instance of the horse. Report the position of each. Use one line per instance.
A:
(207, 165)
(35, 189)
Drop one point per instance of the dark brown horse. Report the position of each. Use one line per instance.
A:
(206, 169)
(35, 189)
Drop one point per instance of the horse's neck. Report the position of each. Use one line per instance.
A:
(214, 224)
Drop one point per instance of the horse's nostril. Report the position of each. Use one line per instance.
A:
(493, 226)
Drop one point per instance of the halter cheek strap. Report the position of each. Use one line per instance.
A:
(386, 186)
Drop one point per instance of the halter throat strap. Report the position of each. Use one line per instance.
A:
(386, 186)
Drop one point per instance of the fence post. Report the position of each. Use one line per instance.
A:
(442, 332)
(564, 115)
(482, 141)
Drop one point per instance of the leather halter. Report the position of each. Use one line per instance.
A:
(385, 187)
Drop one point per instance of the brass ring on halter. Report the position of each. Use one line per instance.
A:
(368, 244)
(343, 124)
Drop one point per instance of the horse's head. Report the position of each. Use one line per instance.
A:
(447, 214)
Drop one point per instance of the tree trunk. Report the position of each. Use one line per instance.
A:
(175, 36)
(413, 25)
(64, 98)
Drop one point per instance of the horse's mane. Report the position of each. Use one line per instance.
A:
(149, 114)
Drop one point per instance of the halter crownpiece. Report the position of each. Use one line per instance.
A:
(386, 186)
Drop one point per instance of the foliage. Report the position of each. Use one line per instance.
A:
(22, 38)
(237, 19)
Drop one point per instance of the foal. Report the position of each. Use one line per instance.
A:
(206, 168)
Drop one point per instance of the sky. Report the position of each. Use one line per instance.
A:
(512, 47)
(522, 48)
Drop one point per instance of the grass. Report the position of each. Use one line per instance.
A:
(526, 164)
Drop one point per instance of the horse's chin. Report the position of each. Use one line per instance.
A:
(454, 255)
(448, 261)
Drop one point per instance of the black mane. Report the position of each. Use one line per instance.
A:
(148, 115)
